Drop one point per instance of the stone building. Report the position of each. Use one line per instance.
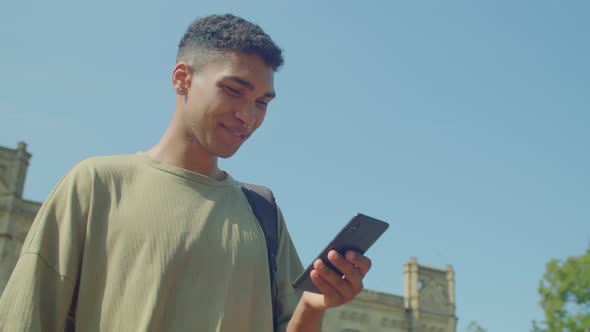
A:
(428, 303)
(16, 213)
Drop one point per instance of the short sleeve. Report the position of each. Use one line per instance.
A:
(38, 294)
(288, 269)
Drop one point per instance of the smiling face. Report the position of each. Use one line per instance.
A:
(224, 101)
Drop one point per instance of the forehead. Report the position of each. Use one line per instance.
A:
(248, 67)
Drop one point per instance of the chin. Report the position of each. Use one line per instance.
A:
(226, 154)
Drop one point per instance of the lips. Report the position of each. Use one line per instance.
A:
(239, 133)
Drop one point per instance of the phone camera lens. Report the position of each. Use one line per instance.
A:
(355, 227)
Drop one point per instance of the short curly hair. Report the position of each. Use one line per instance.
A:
(216, 34)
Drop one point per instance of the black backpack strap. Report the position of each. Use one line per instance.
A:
(263, 205)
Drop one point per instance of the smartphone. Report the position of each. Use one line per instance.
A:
(358, 235)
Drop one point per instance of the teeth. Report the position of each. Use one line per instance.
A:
(237, 134)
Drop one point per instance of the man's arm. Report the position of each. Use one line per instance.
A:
(336, 290)
(39, 292)
(36, 298)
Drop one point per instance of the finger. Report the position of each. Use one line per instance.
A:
(335, 280)
(350, 271)
(362, 262)
(323, 286)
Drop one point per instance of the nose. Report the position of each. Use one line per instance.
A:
(247, 115)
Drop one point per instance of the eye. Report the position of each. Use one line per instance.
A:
(232, 91)
(262, 103)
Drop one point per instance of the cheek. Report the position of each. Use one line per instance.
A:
(223, 104)
(207, 102)
(260, 115)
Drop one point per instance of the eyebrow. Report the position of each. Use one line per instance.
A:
(248, 85)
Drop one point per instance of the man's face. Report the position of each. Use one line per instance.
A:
(226, 102)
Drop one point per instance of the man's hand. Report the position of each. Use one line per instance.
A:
(337, 290)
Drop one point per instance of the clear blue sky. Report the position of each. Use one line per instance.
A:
(465, 124)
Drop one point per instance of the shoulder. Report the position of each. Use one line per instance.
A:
(105, 165)
(87, 171)
(263, 191)
(109, 163)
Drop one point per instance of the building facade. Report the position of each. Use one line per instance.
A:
(428, 303)
(16, 213)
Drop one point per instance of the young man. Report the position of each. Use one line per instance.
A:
(165, 240)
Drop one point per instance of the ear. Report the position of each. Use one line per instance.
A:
(181, 77)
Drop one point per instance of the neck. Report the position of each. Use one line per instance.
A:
(184, 153)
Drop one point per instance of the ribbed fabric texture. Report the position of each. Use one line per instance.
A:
(153, 247)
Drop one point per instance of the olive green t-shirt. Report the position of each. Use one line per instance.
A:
(152, 247)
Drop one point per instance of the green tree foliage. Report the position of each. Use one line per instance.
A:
(474, 327)
(565, 295)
